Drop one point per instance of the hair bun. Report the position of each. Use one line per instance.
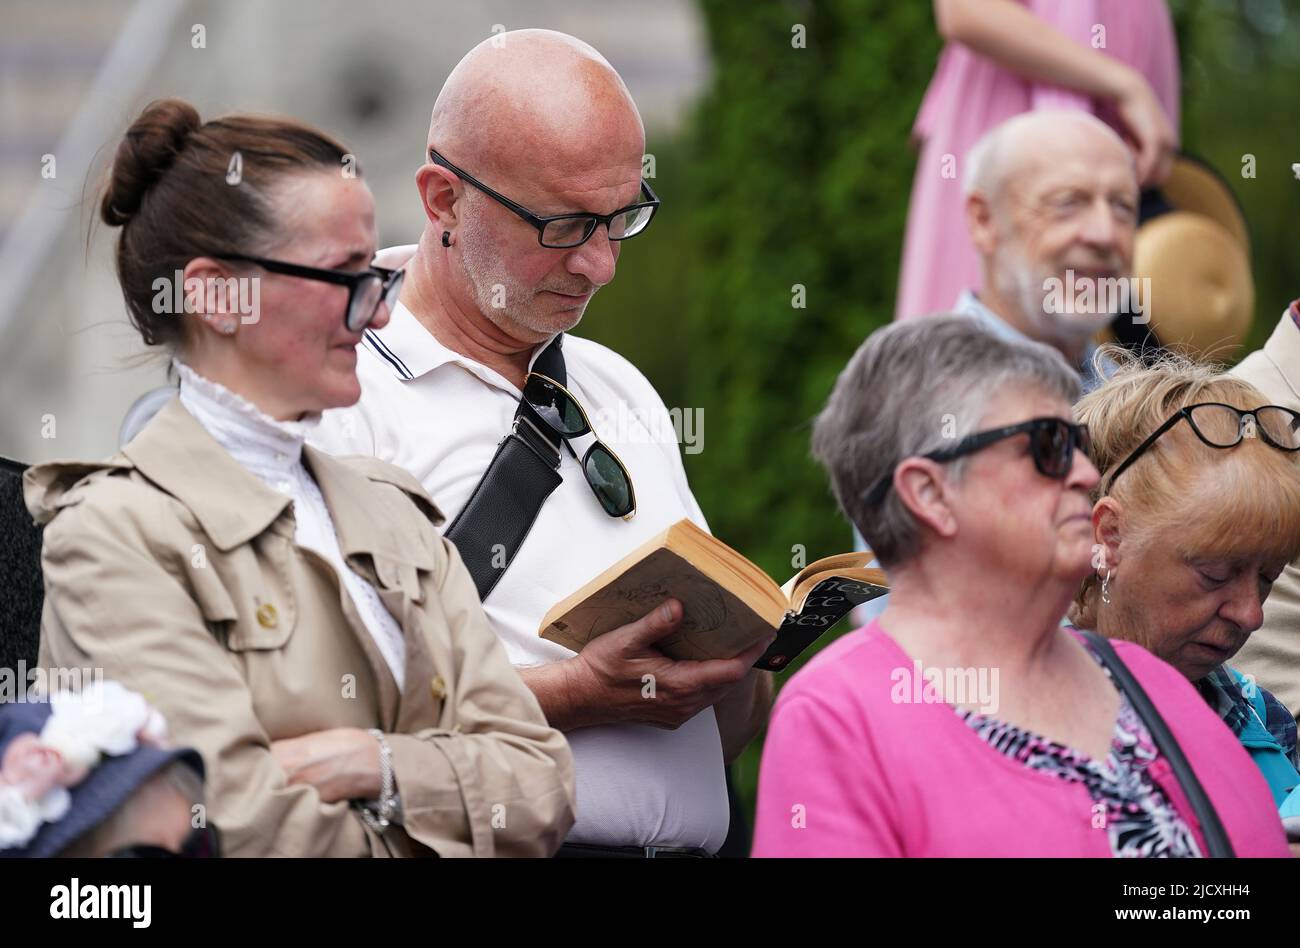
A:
(148, 149)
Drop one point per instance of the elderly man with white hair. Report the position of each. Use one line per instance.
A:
(531, 182)
(1052, 207)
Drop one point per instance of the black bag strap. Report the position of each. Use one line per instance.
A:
(1216, 837)
(497, 518)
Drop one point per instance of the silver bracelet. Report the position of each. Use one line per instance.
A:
(387, 809)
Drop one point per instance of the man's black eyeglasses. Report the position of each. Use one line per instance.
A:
(1223, 426)
(1052, 443)
(605, 473)
(563, 231)
(366, 288)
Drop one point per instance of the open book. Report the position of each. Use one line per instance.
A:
(729, 603)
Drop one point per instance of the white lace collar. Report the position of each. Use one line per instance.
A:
(252, 436)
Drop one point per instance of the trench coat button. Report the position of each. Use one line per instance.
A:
(267, 617)
(439, 688)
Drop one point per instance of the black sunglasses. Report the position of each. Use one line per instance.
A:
(366, 288)
(605, 473)
(563, 231)
(1052, 443)
(203, 842)
(1224, 426)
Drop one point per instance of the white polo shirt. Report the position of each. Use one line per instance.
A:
(441, 415)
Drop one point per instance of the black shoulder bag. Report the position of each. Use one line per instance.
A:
(497, 518)
(1216, 837)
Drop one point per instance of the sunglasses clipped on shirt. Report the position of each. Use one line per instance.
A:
(367, 288)
(1224, 426)
(1052, 443)
(559, 410)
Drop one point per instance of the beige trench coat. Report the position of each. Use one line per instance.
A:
(175, 570)
(1272, 653)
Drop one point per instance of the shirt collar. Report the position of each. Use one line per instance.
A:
(264, 445)
(1224, 698)
(406, 346)
(233, 506)
(968, 304)
(1222, 691)
(410, 350)
(178, 454)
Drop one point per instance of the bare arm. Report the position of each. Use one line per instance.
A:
(557, 690)
(1013, 37)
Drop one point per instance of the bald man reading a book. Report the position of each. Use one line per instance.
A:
(532, 181)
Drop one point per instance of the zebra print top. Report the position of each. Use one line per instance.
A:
(1138, 817)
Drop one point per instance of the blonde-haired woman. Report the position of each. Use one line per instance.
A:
(1196, 514)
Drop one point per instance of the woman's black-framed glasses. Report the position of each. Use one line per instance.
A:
(366, 288)
(564, 231)
(1052, 443)
(1224, 426)
(608, 478)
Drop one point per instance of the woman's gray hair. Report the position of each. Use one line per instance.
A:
(913, 387)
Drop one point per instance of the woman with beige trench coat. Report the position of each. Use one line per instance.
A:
(297, 617)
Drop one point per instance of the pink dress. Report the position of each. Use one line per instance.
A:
(854, 766)
(969, 95)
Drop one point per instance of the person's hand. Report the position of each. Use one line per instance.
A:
(621, 677)
(341, 763)
(1154, 140)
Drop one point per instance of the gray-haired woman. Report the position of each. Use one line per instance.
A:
(966, 720)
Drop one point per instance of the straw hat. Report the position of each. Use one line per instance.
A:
(1193, 244)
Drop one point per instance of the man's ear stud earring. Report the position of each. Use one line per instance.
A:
(446, 238)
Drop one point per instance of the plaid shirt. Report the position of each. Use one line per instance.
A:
(1226, 696)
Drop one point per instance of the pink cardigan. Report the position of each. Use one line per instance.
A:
(848, 772)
